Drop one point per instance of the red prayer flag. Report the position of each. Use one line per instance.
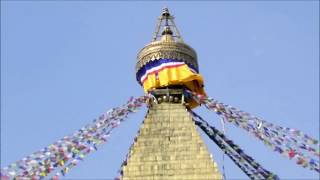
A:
(291, 153)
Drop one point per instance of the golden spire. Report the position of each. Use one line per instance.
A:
(166, 43)
(165, 21)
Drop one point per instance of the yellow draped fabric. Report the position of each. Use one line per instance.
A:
(180, 75)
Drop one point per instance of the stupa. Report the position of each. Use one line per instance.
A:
(168, 145)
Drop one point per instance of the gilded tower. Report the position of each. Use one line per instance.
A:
(168, 145)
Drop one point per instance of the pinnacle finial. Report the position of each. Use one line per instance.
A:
(165, 12)
(166, 26)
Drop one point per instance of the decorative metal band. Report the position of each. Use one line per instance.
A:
(166, 50)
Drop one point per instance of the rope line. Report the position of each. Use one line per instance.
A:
(246, 163)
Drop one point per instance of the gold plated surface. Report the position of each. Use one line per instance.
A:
(169, 46)
(166, 49)
(169, 147)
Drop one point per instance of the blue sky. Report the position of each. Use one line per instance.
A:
(64, 63)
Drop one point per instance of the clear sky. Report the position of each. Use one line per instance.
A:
(64, 63)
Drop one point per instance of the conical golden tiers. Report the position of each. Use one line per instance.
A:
(169, 147)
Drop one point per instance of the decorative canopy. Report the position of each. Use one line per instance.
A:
(167, 43)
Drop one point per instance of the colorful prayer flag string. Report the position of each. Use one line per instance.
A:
(68, 151)
(289, 142)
